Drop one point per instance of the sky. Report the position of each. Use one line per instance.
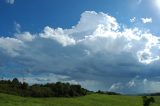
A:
(109, 45)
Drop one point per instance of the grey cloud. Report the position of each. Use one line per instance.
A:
(93, 53)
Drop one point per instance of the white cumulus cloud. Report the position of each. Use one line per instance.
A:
(59, 35)
(10, 1)
(133, 19)
(98, 49)
(146, 20)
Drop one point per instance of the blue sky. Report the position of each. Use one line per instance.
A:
(108, 44)
(35, 15)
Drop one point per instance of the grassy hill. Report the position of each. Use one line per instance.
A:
(89, 100)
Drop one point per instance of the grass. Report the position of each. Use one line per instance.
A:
(89, 100)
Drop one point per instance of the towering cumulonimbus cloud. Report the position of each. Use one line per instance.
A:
(98, 53)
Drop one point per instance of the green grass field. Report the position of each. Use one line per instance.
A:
(89, 100)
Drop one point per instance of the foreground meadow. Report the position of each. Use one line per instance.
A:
(89, 100)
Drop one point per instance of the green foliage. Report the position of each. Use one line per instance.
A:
(38, 90)
(147, 101)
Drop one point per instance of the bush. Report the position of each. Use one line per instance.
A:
(147, 101)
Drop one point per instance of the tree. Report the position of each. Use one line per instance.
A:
(147, 101)
(24, 85)
(15, 81)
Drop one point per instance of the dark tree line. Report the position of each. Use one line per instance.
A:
(41, 90)
(154, 94)
(107, 92)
